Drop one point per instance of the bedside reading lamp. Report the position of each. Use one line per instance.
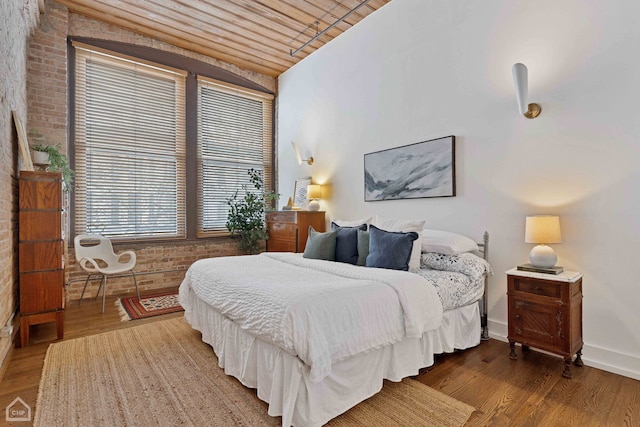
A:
(314, 192)
(542, 229)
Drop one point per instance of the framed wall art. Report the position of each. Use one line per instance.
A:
(424, 169)
(300, 191)
(24, 162)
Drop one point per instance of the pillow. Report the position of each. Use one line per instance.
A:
(391, 224)
(363, 247)
(444, 242)
(321, 245)
(347, 243)
(341, 223)
(390, 249)
(466, 263)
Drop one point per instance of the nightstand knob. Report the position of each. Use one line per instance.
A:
(537, 288)
(517, 316)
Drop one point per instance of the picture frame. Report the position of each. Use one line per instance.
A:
(24, 155)
(422, 170)
(300, 191)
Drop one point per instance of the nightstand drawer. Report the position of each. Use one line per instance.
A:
(536, 287)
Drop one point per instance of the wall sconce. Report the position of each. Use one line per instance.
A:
(314, 192)
(299, 157)
(521, 82)
(542, 230)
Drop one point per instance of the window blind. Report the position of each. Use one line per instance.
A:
(235, 134)
(129, 147)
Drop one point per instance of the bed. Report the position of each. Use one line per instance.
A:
(316, 337)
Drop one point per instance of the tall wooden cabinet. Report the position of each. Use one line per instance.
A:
(288, 230)
(41, 249)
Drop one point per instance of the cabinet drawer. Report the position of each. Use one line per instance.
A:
(282, 216)
(282, 231)
(40, 225)
(41, 291)
(537, 287)
(40, 256)
(274, 245)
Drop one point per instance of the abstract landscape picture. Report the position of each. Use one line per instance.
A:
(425, 169)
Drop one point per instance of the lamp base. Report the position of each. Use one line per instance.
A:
(314, 205)
(543, 256)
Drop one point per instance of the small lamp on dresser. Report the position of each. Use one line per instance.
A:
(542, 230)
(314, 192)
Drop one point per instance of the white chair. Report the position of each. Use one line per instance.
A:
(94, 254)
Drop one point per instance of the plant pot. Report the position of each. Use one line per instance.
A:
(40, 157)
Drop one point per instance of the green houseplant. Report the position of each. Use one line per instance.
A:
(57, 162)
(245, 219)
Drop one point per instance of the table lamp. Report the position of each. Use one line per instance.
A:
(542, 229)
(314, 192)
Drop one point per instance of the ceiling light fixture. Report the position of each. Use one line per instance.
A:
(521, 83)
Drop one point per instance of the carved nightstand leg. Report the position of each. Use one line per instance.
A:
(567, 368)
(578, 361)
(512, 355)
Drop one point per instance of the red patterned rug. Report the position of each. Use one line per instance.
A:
(150, 305)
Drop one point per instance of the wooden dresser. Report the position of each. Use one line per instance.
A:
(41, 249)
(545, 312)
(288, 230)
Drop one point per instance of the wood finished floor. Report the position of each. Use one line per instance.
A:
(526, 392)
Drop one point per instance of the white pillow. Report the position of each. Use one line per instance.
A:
(403, 225)
(341, 223)
(444, 242)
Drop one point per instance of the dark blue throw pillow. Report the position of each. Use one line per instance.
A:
(347, 243)
(388, 249)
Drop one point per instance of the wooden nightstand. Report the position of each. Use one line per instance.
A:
(288, 230)
(545, 312)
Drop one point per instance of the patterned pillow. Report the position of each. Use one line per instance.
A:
(465, 263)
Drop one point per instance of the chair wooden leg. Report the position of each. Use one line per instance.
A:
(135, 281)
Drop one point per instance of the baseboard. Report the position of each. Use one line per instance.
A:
(7, 359)
(594, 356)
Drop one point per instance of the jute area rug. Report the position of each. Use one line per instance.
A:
(162, 374)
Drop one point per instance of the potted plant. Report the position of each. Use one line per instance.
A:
(57, 162)
(246, 214)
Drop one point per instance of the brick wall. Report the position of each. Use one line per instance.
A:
(159, 264)
(17, 20)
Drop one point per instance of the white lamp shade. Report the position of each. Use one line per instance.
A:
(521, 83)
(542, 229)
(314, 191)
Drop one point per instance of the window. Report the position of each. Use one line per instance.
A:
(234, 135)
(131, 149)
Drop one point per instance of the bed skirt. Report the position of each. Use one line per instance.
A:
(282, 380)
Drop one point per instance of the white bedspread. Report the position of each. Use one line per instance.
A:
(321, 311)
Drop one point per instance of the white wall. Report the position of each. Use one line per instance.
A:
(421, 69)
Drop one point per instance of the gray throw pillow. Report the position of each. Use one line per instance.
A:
(388, 249)
(363, 247)
(347, 243)
(321, 245)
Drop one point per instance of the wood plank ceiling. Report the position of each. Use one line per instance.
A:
(256, 35)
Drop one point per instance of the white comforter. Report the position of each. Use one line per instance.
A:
(321, 311)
